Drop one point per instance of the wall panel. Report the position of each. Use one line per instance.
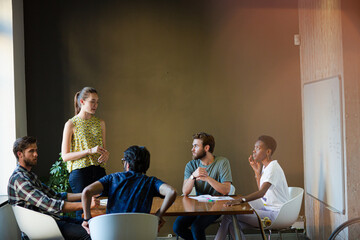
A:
(320, 57)
(330, 45)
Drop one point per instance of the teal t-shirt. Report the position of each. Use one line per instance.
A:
(219, 170)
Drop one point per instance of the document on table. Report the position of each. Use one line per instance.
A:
(209, 198)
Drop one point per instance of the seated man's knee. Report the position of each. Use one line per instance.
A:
(198, 227)
(178, 225)
(198, 230)
(176, 228)
(198, 233)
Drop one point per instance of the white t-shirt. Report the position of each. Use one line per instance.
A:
(278, 193)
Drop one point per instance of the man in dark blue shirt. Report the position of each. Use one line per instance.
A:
(131, 190)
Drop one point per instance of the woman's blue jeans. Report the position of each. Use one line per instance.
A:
(81, 178)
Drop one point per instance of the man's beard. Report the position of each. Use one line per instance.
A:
(200, 155)
(29, 163)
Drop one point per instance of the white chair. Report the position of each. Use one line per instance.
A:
(289, 212)
(36, 225)
(232, 190)
(8, 227)
(124, 226)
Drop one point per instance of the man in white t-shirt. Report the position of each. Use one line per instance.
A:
(273, 189)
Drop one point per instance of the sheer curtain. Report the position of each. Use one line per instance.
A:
(12, 85)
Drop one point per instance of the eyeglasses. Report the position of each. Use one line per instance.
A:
(123, 160)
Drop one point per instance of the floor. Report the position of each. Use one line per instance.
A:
(296, 233)
(284, 236)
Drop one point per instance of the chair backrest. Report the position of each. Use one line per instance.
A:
(289, 212)
(232, 190)
(124, 226)
(36, 225)
(8, 227)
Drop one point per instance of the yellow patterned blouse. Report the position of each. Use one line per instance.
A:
(87, 134)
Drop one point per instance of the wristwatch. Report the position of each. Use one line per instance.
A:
(192, 177)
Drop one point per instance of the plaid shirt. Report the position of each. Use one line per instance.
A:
(26, 190)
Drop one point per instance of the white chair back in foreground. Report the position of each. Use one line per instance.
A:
(124, 226)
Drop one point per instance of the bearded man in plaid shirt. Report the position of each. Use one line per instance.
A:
(26, 190)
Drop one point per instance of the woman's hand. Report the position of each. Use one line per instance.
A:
(233, 203)
(256, 166)
(94, 150)
(104, 154)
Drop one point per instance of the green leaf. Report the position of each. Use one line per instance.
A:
(59, 176)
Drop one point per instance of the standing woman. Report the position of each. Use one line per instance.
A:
(83, 145)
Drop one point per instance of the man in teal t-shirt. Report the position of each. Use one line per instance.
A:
(209, 174)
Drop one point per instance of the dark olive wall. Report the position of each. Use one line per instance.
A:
(165, 70)
(45, 83)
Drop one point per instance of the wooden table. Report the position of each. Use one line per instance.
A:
(185, 206)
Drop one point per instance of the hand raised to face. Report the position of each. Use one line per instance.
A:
(256, 166)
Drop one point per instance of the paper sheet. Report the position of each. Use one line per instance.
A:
(209, 198)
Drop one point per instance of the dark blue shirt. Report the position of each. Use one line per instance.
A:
(130, 191)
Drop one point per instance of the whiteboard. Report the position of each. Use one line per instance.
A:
(323, 145)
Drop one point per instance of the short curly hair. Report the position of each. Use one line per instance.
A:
(269, 142)
(138, 158)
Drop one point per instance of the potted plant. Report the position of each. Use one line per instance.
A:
(59, 176)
